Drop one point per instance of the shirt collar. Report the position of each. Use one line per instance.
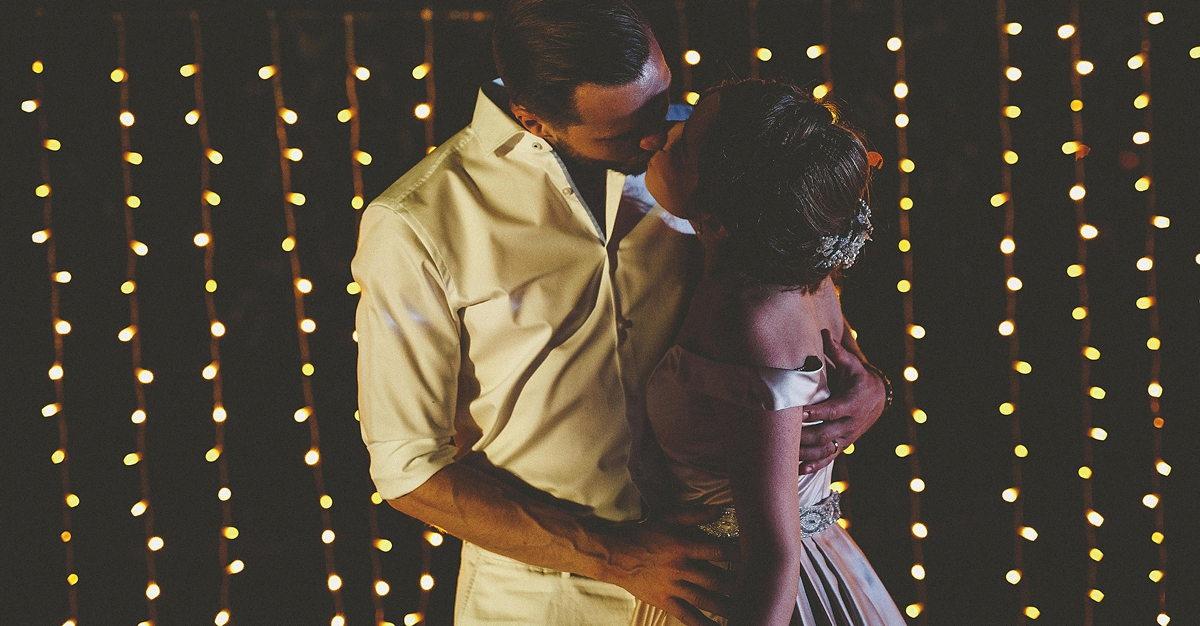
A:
(492, 123)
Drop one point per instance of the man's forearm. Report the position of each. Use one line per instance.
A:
(478, 508)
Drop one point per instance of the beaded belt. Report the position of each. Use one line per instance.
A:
(813, 519)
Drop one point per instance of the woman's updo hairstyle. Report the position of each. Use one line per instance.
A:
(779, 172)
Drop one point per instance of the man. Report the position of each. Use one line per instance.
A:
(519, 285)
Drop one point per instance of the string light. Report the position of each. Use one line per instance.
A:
(58, 277)
(142, 376)
(915, 610)
(1087, 232)
(313, 456)
(1154, 390)
(212, 372)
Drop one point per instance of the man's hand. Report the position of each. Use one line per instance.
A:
(655, 564)
(859, 399)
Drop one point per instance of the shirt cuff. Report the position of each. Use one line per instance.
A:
(398, 467)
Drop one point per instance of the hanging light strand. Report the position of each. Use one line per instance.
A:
(1012, 407)
(913, 331)
(430, 83)
(57, 409)
(690, 57)
(1088, 392)
(141, 376)
(1154, 222)
(301, 286)
(205, 240)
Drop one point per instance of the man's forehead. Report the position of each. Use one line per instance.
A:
(618, 108)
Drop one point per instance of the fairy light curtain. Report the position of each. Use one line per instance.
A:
(236, 318)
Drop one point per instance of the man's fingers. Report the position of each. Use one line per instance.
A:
(716, 604)
(811, 468)
(713, 551)
(716, 578)
(822, 435)
(691, 516)
(688, 614)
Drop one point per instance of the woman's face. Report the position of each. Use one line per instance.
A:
(673, 172)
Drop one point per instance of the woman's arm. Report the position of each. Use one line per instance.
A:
(763, 450)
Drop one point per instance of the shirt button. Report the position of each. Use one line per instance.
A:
(537, 146)
(568, 191)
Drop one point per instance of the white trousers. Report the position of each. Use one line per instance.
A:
(496, 590)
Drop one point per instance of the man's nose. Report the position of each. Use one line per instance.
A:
(654, 142)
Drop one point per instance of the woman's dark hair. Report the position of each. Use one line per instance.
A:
(544, 49)
(779, 172)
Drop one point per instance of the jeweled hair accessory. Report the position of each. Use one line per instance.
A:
(842, 250)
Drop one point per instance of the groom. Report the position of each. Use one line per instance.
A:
(518, 286)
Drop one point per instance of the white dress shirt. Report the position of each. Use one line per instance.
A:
(492, 318)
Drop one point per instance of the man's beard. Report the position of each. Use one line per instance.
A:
(634, 166)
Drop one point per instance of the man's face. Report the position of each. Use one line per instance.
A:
(620, 127)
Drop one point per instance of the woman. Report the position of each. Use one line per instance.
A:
(776, 189)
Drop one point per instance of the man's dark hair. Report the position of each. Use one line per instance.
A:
(544, 49)
(780, 171)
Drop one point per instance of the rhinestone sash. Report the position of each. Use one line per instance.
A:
(813, 519)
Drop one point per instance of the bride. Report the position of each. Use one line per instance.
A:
(776, 188)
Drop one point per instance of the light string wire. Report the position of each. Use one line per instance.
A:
(61, 327)
(355, 73)
(304, 325)
(1153, 500)
(690, 57)
(430, 84)
(1008, 328)
(132, 333)
(752, 32)
(1086, 232)
(918, 530)
(205, 240)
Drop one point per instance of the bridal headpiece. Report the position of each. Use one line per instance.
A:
(842, 250)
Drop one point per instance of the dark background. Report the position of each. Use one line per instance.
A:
(964, 449)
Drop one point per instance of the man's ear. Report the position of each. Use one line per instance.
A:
(531, 122)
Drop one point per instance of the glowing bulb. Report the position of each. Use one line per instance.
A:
(763, 54)
(219, 414)
(1012, 73)
(1075, 270)
(293, 154)
(338, 620)
(1141, 137)
(910, 374)
(210, 371)
(412, 619)
(212, 198)
(212, 455)
(904, 286)
(1032, 612)
(1010, 157)
(308, 325)
(917, 331)
(153, 590)
(918, 572)
(1020, 451)
(335, 582)
(131, 459)
(138, 416)
(155, 544)
(1013, 283)
(1007, 245)
(364, 158)
(72, 500)
(1013, 28)
(224, 494)
(1150, 500)
(426, 582)
(1162, 468)
(692, 57)
(42, 191)
(210, 286)
(900, 90)
(1006, 328)
(1154, 17)
(29, 106)
(920, 531)
(288, 244)
(913, 610)
(1007, 408)
(344, 115)
(422, 111)
(999, 199)
(1087, 231)
(126, 119)
(37, 69)
(50, 410)
(289, 116)
(1136, 61)
(839, 486)
(1142, 101)
(139, 248)
(230, 532)
(1096, 595)
(62, 327)
(192, 117)
(1142, 184)
(1095, 519)
(134, 158)
(188, 70)
(894, 43)
(1157, 537)
(907, 166)
(1010, 494)
(903, 450)
(55, 372)
(692, 97)
(327, 536)
(434, 538)
(362, 73)
(1013, 576)
(1099, 434)
(901, 120)
(307, 369)
(1096, 555)
(266, 71)
(42, 236)
(312, 457)
(1160, 221)
(297, 199)
(1077, 105)
(1153, 343)
(916, 485)
(1012, 111)
(1084, 67)
(62, 277)
(1156, 575)
(1065, 31)
(138, 508)
(384, 545)
(201, 240)
(1028, 533)
(1144, 302)
(420, 71)
(820, 91)
(356, 202)
(118, 75)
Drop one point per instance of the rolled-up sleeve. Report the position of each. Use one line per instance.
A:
(408, 352)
